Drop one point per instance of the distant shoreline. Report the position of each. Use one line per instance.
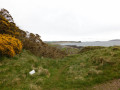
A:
(60, 42)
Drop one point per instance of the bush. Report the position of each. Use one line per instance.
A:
(9, 46)
(89, 48)
(42, 49)
(30, 41)
(7, 27)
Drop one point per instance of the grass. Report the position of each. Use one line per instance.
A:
(80, 71)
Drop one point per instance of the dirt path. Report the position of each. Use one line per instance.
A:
(111, 85)
(59, 72)
(62, 69)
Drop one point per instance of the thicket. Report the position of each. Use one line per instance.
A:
(89, 48)
(9, 46)
(30, 41)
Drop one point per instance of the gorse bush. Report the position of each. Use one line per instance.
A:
(6, 15)
(9, 46)
(34, 44)
(7, 27)
(30, 41)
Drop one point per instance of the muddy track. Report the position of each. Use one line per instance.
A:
(111, 85)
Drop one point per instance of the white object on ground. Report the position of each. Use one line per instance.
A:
(32, 72)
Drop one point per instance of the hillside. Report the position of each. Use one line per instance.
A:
(80, 71)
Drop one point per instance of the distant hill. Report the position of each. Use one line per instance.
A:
(115, 40)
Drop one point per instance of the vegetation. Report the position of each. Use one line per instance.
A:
(80, 71)
(67, 49)
(9, 46)
(56, 67)
(89, 48)
(30, 41)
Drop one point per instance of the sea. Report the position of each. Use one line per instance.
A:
(96, 43)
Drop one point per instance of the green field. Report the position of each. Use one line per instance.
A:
(79, 71)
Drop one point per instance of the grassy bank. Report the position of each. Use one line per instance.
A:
(78, 71)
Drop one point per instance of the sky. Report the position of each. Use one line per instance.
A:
(67, 20)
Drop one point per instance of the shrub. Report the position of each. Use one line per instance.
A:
(6, 14)
(7, 27)
(30, 41)
(9, 46)
(89, 48)
(43, 49)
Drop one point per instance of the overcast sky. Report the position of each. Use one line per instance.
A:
(78, 20)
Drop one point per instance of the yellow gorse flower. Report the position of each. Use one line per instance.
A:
(9, 45)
